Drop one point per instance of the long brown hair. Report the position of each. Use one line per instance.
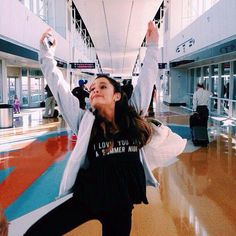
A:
(3, 224)
(127, 119)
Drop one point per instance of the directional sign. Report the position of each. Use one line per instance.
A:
(82, 65)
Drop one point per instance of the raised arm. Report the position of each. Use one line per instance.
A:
(68, 104)
(142, 93)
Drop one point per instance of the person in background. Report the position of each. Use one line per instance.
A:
(16, 104)
(151, 112)
(201, 98)
(50, 103)
(108, 170)
(128, 88)
(81, 93)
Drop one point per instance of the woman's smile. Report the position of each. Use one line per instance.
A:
(96, 96)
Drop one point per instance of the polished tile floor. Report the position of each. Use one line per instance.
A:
(197, 194)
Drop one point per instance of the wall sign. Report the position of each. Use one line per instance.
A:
(183, 46)
(162, 65)
(82, 65)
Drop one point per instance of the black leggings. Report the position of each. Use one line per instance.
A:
(73, 213)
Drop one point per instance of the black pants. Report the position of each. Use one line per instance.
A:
(203, 113)
(73, 213)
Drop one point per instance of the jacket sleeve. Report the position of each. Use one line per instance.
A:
(142, 93)
(164, 147)
(67, 102)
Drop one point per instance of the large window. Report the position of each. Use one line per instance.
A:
(214, 78)
(206, 80)
(32, 86)
(233, 96)
(220, 79)
(192, 9)
(38, 7)
(234, 81)
(192, 83)
(25, 91)
(199, 76)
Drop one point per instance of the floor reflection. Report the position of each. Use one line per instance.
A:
(200, 190)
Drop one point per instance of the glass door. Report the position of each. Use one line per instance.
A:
(37, 91)
(214, 87)
(232, 94)
(25, 91)
(13, 88)
(224, 91)
(32, 87)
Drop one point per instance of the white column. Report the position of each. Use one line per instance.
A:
(4, 82)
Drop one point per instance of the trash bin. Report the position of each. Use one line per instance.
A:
(6, 116)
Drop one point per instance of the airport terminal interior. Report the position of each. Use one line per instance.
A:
(196, 194)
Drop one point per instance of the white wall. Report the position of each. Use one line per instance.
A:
(21, 26)
(216, 24)
(61, 17)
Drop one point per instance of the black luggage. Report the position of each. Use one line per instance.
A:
(195, 120)
(198, 130)
(200, 136)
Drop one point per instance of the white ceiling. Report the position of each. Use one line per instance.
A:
(117, 29)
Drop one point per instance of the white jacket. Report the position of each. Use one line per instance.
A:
(164, 146)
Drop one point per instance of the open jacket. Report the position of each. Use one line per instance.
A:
(164, 146)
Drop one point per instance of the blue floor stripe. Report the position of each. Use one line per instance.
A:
(4, 173)
(183, 131)
(43, 191)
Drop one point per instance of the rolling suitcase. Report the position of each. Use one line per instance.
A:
(198, 130)
(200, 136)
(195, 120)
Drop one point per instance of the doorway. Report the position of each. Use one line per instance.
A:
(13, 88)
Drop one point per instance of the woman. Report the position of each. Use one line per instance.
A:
(107, 171)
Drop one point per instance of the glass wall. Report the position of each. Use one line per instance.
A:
(191, 84)
(38, 7)
(234, 81)
(214, 87)
(24, 91)
(220, 79)
(233, 94)
(224, 91)
(198, 77)
(192, 81)
(12, 88)
(206, 80)
(32, 87)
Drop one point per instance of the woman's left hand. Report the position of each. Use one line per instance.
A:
(152, 36)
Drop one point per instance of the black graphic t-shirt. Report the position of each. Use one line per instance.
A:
(114, 176)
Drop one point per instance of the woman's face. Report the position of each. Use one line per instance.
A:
(102, 94)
